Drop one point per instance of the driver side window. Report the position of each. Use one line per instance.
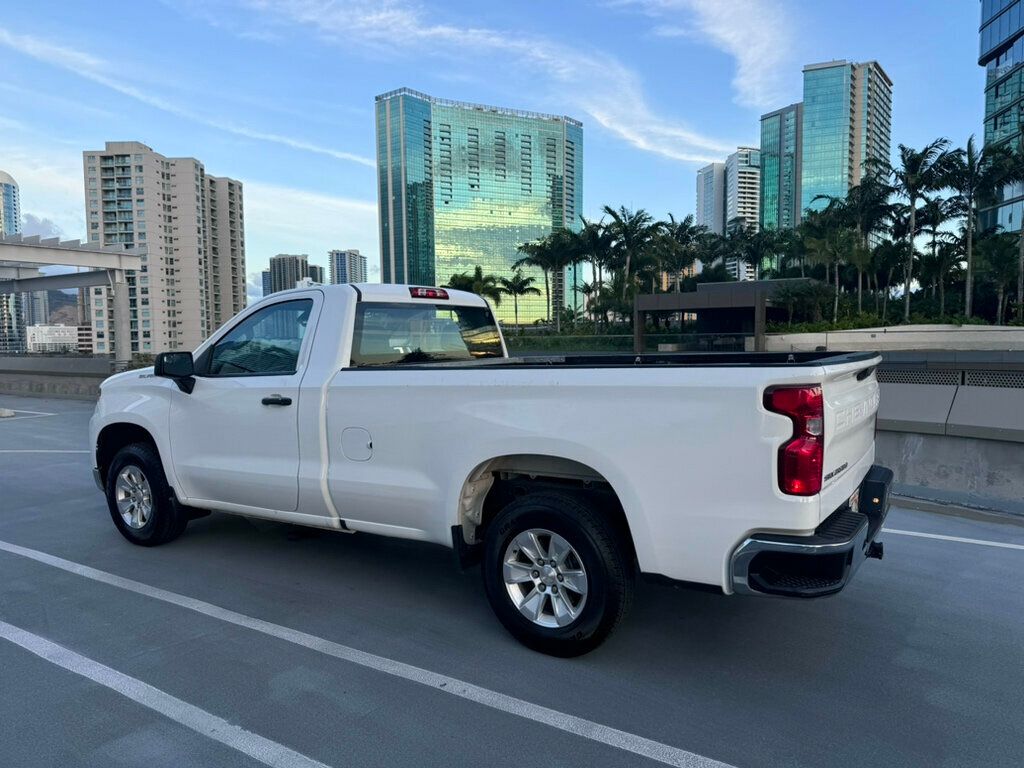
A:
(266, 343)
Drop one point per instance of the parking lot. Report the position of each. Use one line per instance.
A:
(246, 642)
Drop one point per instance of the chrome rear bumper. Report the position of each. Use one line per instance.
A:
(822, 563)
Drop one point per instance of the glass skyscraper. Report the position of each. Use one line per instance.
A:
(847, 120)
(781, 167)
(1002, 54)
(462, 185)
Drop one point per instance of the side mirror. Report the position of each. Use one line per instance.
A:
(178, 366)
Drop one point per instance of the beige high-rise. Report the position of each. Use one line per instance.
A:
(190, 225)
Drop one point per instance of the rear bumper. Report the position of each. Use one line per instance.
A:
(822, 563)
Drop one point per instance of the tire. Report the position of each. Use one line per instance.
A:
(156, 518)
(596, 548)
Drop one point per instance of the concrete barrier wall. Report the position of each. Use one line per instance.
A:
(68, 376)
(904, 337)
(960, 471)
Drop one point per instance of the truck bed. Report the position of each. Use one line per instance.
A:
(667, 360)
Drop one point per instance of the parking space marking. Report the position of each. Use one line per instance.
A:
(39, 450)
(32, 415)
(199, 720)
(587, 729)
(961, 539)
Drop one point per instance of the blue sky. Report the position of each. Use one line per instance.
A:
(279, 93)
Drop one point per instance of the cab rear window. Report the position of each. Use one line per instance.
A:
(412, 334)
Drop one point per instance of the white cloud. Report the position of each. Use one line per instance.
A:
(758, 34)
(590, 81)
(96, 70)
(286, 220)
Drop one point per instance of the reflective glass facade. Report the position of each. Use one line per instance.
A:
(1002, 55)
(462, 185)
(781, 167)
(846, 122)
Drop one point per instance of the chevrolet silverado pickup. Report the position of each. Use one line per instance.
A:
(396, 410)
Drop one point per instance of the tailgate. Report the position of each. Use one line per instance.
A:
(850, 392)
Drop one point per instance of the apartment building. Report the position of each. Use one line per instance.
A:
(188, 226)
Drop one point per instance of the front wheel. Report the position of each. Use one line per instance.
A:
(142, 504)
(556, 573)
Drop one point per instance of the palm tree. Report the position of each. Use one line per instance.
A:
(866, 208)
(537, 253)
(935, 213)
(478, 283)
(594, 243)
(631, 233)
(552, 255)
(919, 171)
(516, 286)
(999, 254)
(680, 245)
(833, 249)
(975, 176)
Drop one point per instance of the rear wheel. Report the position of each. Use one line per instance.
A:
(141, 503)
(556, 573)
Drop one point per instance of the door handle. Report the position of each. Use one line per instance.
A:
(277, 400)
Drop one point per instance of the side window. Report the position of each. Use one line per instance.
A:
(267, 342)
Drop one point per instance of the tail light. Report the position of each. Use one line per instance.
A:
(800, 458)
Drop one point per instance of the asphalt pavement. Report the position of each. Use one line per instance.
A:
(249, 643)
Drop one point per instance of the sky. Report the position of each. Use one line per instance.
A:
(279, 93)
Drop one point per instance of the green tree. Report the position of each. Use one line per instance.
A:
(974, 175)
(918, 172)
(865, 209)
(998, 254)
(516, 286)
(478, 283)
(631, 233)
(680, 246)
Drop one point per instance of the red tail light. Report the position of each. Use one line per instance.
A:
(801, 458)
(428, 293)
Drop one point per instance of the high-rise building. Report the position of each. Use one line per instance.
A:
(743, 188)
(781, 167)
(189, 226)
(463, 185)
(1002, 54)
(12, 319)
(316, 274)
(10, 206)
(267, 289)
(711, 198)
(286, 270)
(846, 124)
(347, 266)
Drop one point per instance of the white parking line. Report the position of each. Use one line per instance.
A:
(199, 720)
(587, 729)
(38, 450)
(961, 539)
(31, 415)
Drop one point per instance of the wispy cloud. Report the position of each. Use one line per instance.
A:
(281, 219)
(97, 70)
(590, 81)
(757, 34)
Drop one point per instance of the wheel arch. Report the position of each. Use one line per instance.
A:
(494, 482)
(115, 436)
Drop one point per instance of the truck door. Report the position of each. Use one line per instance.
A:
(234, 439)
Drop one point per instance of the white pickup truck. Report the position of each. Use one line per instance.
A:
(396, 410)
